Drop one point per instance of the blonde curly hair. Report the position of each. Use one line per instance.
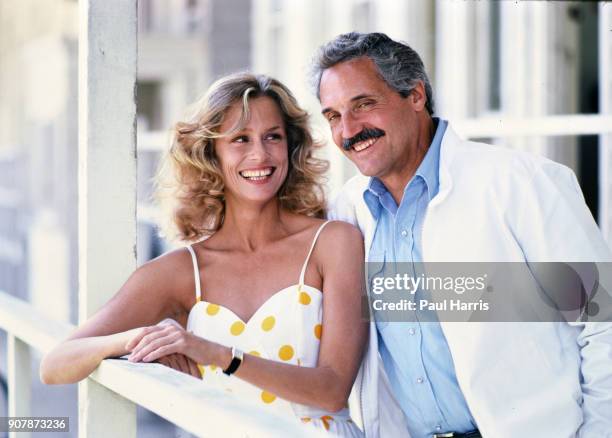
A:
(189, 182)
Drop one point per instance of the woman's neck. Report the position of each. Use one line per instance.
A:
(248, 226)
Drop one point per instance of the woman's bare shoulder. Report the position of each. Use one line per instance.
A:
(171, 272)
(337, 240)
(342, 230)
(175, 260)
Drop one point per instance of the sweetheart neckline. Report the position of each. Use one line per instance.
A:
(246, 322)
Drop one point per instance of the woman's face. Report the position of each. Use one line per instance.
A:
(254, 161)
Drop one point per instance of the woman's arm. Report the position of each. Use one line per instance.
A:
(339, 257)
(148, 296)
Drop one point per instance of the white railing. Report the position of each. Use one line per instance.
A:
(187, 402)
(503, 126)
(481, 127)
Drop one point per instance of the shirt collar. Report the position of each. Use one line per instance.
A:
(428, 170)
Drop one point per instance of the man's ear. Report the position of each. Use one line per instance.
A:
(418, 97)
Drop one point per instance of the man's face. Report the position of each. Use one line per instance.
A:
(378, 126)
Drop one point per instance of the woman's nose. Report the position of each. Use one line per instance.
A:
(258, 149)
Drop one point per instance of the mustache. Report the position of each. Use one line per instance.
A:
(365, 134)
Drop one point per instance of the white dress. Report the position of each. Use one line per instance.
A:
(286, 328)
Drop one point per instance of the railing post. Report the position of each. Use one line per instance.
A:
(605, 108)
(103, 412)
(107, 184)
(19, 381)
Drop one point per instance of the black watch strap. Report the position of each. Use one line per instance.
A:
(237, 356)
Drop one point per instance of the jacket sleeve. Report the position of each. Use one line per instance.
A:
(555, 225)
(342, 207)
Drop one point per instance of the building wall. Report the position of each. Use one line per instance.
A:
(38, 141)
(502, 59)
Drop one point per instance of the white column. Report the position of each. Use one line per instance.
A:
(19, 381)
(514, 44)
(107, 184)
(605, 107)
(411, 22)
(562, 61)
(454, 58)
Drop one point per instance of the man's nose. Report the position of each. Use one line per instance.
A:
(350, 126)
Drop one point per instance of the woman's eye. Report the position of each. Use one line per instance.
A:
(274, 137)
(241, 139)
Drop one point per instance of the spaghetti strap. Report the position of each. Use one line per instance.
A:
(314, 241)
(196, 273)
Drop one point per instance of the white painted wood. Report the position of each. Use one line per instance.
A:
(515, 31)
(107, 184)
(605, 107)
(453, 58)
(103, 412)
(119, 385)
(19, 381)
(192, 404)
(534, 126)
(29, 324)
(107, 151)
(411, 22)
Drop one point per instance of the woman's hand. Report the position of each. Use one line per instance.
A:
(171, 345)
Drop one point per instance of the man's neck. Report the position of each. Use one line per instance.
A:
(397, 182)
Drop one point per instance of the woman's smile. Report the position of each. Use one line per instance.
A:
(259, 175)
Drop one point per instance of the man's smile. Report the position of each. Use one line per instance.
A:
(362, 145)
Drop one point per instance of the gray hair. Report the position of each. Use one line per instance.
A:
(399, 66)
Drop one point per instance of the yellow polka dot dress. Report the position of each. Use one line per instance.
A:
(286, 328)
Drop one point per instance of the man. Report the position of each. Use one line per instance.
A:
(425, 195)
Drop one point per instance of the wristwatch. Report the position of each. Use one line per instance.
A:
(237, 356)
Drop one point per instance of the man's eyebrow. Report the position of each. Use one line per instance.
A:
(353, 99)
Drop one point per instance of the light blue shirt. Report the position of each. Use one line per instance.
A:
(415, 354)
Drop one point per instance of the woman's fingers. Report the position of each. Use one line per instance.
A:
(163, 350)
(164, 343)
(135, 340)
(181, 363)
(164, 361)
(193, 369)
(150, 335)
(145, 335)
(174, 363)
(150, 344)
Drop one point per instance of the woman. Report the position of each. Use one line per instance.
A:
(264, 277)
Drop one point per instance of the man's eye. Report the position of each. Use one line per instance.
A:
(332, 117)
(366, 104)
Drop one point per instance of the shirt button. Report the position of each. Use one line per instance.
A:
(404, 233)
(411, 331)
(420, 380)
(438, 427)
